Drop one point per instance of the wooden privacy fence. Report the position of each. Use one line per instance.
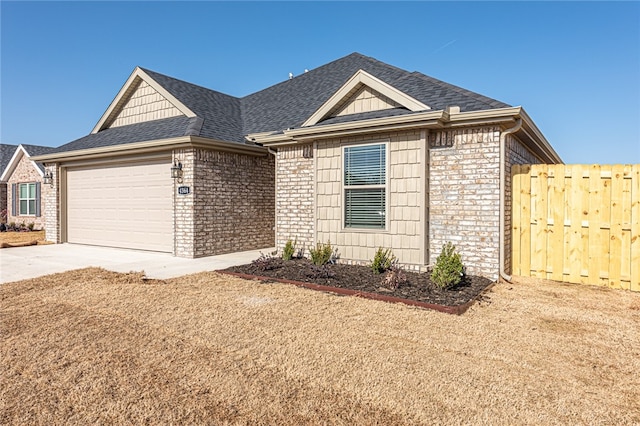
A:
(577, 223)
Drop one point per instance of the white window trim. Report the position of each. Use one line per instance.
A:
(20, 199)
(386, 230)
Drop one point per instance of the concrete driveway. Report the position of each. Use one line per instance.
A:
(21, 263)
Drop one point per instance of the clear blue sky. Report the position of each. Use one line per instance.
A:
(574, 66)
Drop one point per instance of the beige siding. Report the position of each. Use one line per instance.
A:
(406, 193)
(144, 104)
(365, 100)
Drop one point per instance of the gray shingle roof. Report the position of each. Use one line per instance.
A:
(34, 150)
(6, 152)
(285, 105)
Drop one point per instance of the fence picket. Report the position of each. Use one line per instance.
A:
(577, 223)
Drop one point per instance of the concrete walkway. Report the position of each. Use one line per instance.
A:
(21, 263)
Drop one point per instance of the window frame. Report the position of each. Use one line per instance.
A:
(344, 188)
(27, 199)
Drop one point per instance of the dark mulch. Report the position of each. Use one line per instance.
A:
(418, 286)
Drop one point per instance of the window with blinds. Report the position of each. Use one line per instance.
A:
(365, 186)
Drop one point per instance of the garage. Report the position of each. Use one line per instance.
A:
(121, 205)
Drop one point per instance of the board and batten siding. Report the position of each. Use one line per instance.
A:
(144, 104)
(577, 223)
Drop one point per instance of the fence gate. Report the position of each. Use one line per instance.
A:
(577, 223)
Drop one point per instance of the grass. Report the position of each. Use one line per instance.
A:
(92, 346)
(23, 237)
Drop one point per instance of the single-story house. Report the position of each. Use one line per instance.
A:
(356, 152)
(6, 152)
(23, 178)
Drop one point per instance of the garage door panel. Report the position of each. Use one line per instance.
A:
(126, 206)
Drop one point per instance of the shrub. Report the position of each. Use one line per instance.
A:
(382, 260)
(323, 254)
(449, 269)
(289, 250)
(266, 262)
(30, 226)
(394, 277)
(3, 216)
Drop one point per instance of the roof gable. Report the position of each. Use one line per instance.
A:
(141, 99)
(22, 151)
(361, 80)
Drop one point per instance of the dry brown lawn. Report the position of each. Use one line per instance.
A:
(92, 346)
(22, 237)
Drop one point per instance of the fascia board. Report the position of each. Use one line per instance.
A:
(430, 118)
(150, 146)
(375, 83)
(117, 101)
(13, 163)
(539, 138)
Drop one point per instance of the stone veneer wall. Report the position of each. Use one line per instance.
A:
(516, 153)
(184, 205)
(406, 197)
(465, 196)
(234, 199)
(51, 203)
(25, 172)
(295, 196)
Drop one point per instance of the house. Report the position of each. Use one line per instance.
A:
(23, 178)
(6, 152)
(356, 152)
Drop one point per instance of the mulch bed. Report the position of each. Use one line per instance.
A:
(418, 289)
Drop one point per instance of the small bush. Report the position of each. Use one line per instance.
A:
(30, 226)
(289, 250)
(449, 269)
(323, 254)
(266, 262)
(382, 260)
(395, 277)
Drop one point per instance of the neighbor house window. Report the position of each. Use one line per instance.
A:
(27, 199)
(365, 177)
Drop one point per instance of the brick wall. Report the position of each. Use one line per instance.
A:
(295, 196)
(234, 201)
(464, 196)
(25, 172)
(3, 196)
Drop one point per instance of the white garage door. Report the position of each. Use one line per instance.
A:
(127, 206)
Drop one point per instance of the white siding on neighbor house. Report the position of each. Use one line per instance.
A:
(128, 206)
(144, 104)
(364, 100)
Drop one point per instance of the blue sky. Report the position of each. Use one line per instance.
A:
(573, 66)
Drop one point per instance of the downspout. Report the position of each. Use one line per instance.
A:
(503, 142)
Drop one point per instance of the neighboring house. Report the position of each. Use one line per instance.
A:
(366, 155)
(6, 152)
(23, 178)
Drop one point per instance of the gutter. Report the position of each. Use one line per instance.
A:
(503, 141)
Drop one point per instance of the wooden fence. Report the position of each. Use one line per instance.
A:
(577, 223)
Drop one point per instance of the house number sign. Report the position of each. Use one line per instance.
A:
(184, 190)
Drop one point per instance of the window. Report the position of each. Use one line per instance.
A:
(365, 176)
(27, 199)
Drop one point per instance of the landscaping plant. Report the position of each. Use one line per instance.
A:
(394, 277)
(266, 262)
(449, 269)
(289, 250)
(322, 254)
(382, 260)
